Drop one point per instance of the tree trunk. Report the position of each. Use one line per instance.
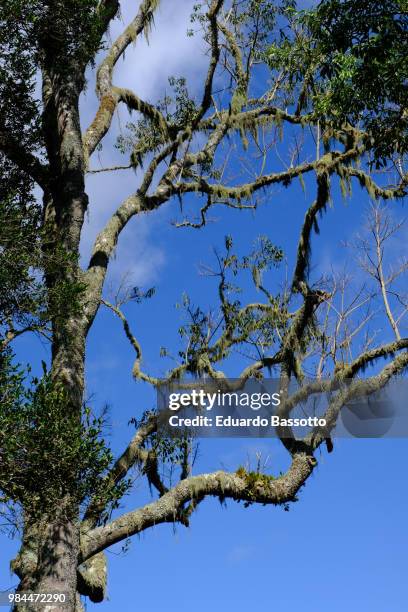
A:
(48, 560)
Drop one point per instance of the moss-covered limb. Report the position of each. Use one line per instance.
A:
(107, 239)
(374, 190)
(103, 248)
(169, 507)
(293, 339)
(92, 578)
(101, 123)
(325, 167)
(108, 97)
(254, 368)
(304, 246)
(133, 102)
(266, 115)
(260, 114)
(239, 96)
(139, 24)
(169, 150)
(331, 164)
(359, 388)
(212, 14)
(219, 128)
(108, 104)
(257, 116)
(110, 168)
(226, 122)
(224, 192)
(368, 357)
(166, 187)
(327, 164)
(342, 375)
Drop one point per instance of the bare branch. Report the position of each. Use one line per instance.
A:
(209, 205)
(136, 371)
(111, 169)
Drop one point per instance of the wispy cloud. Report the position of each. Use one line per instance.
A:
(145, 69)
(240, 553)
(168, 51)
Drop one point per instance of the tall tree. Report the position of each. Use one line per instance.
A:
(264, 80)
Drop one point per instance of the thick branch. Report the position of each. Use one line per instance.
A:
(215, 55)
(24, 160)
(110, 96)
(344, 374)
(222, 484)
(375, 191)
(104, 246)
(358, 389)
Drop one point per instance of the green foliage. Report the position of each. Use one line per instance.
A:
(365, 62)
(69, 29)
(20, 116)
(255, 481)
(264, 256)
(22, 294)
(146, 135)
(25, 301)
(47, 453)
(24, 261)
(348, 61)
(169, 452)
(208, 337)
(17, 74)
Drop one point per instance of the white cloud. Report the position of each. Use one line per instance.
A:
(145, 69)
(168, 52)
(137, 255)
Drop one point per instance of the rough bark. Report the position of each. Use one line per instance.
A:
(48, 560)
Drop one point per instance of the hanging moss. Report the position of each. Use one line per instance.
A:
(238, 101)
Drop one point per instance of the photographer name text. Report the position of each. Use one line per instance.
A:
(256, 421)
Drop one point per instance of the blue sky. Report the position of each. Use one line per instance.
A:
(343, 546)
